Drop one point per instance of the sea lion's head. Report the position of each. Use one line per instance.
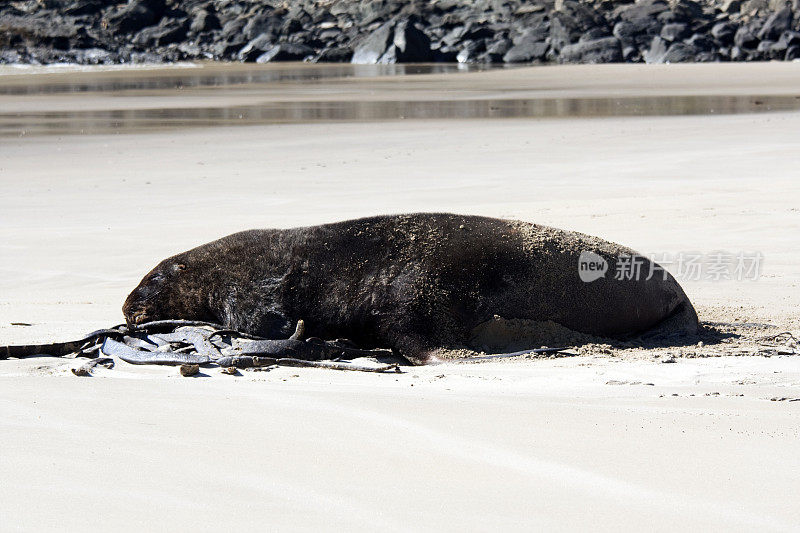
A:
(171, 291)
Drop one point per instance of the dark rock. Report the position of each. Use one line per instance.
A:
(136, 15)
(232, 30)
(170, 35)
(305, 38)
(204, 21)
(605, 50)
(529, 9)
(445, 55)
(262, 24)
(95, 56)
(445, 6)
(764, 46)
(731, 6)
(291, 26)
(454, 36)
(631, 54)
(724, 32)
(670, 17)
(258, 46)
(562, 32)
(41, 34)
(470, 51)
(679, 53)
(87, 7)
(644, 9)
(499, 48)
(330, 35)
(579, 16)
(146, 37)
(593, 34)
(10, 56)
(637, 33)
(191, 51)
(374, 11)
(227, 50)
(285, 52)
(412, 45)
(657, 51)
(453, 33)
(674, 32)
(700, 42)
(778, 50)
(335, 55)
(745, 38)
(702, 26)
(776, 24)
(707, 57)
(321, 15)
(536, 34)
(526, 52)
(476, 32)
(793, 52)
(370, 50)
(402, 42)
(790, 38)
(388, 31)
(298, 13)
(467, 32)
(688, 10)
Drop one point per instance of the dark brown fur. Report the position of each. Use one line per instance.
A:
(415, 283)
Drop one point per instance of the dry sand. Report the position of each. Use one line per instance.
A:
(600, 441)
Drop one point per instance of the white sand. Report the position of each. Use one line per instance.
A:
(543, 443)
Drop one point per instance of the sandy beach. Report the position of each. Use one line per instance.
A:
(601, 441)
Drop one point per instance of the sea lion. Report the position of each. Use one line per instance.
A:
(415, 283)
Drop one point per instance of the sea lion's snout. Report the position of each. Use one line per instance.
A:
(142, 303)
(137, 318)
(135, 311)
(168, 292)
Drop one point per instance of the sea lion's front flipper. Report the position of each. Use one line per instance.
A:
(417, 349)
(281, 348)
(681, 322)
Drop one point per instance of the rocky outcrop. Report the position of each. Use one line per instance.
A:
(393, 31)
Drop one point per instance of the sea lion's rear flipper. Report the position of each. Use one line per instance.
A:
(416, 349)
(681, 322)
(427, 357)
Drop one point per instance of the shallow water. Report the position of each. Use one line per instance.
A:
(190, 75)
(64, 100)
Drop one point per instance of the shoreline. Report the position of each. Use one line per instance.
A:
(210, 95)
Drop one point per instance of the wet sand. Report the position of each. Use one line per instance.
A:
(603, 441)
(203, 95)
